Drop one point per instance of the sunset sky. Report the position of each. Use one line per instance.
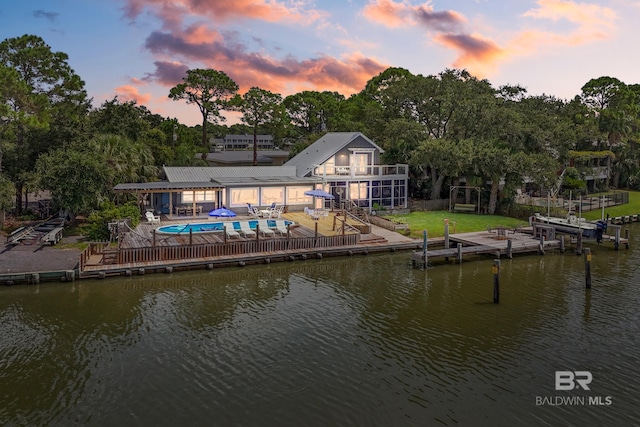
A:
(139, 49)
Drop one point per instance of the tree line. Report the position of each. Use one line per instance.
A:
(450, 128)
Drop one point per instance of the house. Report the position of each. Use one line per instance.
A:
(241, 142)
(349, 165)
(193, 191)
(345, 164)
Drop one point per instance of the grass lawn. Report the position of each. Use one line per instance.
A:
(433, 222)
(631, 208)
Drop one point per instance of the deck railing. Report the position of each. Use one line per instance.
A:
(214, 250)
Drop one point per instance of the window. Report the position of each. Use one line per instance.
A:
(272, 195)
(296, 196)
(200, 196)
(361, 162)
(358, 191)
(327, 168)
(242, 196)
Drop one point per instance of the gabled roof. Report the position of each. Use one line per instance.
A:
(325, 147)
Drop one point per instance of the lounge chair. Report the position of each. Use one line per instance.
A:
(254, 212)
(246, 231)
(231, 232)
(281, 227)
(276, 213)
(153, 219)
(264, 228)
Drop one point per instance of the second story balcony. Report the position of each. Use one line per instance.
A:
(389, 171)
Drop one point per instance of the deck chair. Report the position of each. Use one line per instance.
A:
(246, 231)
(264, 228)
(231, 232)
(276, 213)
(153, 219)
(254, 212)
(281, 227)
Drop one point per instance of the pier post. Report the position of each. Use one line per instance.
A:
(562, 243)
(446, 234)
(495, 269)
(424, 248)
(224, 234)
(579, 244)
(587, 268)
(459, 252)
(616, 243)
(153, 232)
(509, 248)
(190, 237)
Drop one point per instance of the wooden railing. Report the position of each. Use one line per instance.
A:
(213, 250)
(94, 248)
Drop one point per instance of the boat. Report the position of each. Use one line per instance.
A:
(572, 224)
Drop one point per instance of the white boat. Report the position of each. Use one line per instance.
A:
(573, 224)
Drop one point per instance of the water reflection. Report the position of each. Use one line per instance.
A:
(361, 340)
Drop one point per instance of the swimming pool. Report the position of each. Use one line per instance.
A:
(212, 227)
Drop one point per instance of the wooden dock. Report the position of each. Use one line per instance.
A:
(485, 242)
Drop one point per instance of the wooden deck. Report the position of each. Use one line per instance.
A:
(143, 236)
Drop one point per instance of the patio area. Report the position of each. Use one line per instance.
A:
(304, 226)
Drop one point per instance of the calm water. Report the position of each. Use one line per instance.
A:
(359, 341)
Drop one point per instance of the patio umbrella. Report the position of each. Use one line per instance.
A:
(222, 212)
(319, 193)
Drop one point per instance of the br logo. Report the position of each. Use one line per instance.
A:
(569, 380)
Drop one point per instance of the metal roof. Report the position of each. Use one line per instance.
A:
(163, 186)
(214, 173)
(321, 150)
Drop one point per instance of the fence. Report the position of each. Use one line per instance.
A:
(213, 250)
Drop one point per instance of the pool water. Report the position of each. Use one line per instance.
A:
(210, 227)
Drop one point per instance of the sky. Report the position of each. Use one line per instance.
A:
(139, 49)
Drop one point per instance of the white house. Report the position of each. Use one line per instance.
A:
(349, 165)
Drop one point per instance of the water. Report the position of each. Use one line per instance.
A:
(355, 341)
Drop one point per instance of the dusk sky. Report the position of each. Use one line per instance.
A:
(139, 49)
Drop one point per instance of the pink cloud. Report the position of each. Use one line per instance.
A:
(477, 55)
(393, 14)
(171, 11)
(348, 74)
(130, 93)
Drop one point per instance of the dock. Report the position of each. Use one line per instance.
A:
(497, 243)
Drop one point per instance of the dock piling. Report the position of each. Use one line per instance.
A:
(495, 269)
(587, 268)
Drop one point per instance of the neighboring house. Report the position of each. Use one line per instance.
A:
(245, 158)
(241, 142)
(349, 164)
(196, 190)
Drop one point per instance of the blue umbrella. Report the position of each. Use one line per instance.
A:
(222, 212)
(319, 193)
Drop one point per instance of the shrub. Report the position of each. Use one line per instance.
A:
(97, 224)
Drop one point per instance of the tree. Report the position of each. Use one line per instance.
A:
(81, 177)
(211, 91)
(75, 178)
(7, 191)
(258, 108)
(313, 112)
(42, 94)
